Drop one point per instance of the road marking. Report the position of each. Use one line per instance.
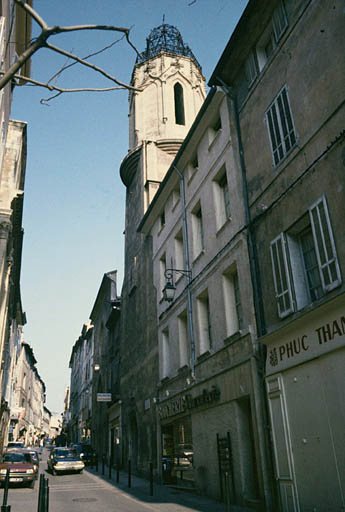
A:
(75, 487)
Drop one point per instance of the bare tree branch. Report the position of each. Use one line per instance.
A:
(67, 66)
(41, 42)
(47, 85)
(89, 65)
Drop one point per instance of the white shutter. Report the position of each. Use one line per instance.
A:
(324, 245)
(281, 276)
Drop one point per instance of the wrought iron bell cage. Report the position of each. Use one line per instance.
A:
(166, 38)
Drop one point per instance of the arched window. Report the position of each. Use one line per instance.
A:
(179, 104)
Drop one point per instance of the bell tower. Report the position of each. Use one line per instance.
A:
(170, 91)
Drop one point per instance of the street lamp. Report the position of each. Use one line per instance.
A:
(169, 288)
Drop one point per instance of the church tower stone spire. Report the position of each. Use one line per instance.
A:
(170, 91)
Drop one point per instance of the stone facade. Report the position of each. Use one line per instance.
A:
(79, 395)
(211, 388)
(15, 31)
(27, 413)
(104, 370)
(290, 95)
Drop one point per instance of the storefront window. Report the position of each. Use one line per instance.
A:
(177, 452)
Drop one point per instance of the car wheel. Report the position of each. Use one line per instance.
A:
(32, 484)
(54, 473)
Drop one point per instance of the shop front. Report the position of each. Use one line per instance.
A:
(177, 452)
(208, 438)
(176, 416)
(114, 450)
(305, 371)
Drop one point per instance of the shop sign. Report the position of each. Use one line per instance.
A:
(316, 336)
(186, 402)
(103, 397)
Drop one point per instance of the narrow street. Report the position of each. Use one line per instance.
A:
(91, 492)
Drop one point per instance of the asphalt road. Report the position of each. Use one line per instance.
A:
(89, 492)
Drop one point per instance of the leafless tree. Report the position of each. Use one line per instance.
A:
(42, 42)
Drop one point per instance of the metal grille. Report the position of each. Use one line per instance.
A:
(166, 38)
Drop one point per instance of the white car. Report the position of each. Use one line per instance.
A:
(64, 459)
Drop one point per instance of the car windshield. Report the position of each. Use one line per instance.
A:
(65, 453)
(16, 457)
(15, 445)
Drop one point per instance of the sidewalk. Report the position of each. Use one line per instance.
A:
(169, 499)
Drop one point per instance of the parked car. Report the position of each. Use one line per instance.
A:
(64, 459)
(14, 444)
(86, 452)
(21, 468)
(35, 458)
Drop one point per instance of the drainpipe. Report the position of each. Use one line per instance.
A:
(188, 274)
(259, 394)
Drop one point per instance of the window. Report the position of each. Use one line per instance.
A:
(307, 252)
(162, 269)
(222, 198)
(279, 20)
(162, 219)
(176, 196)
(198, 231)
(193, 167)
(179, 104)
(265, 47)
(237, 297)
(165, 354)
(281, 275)
(280, 127)
(214, 130)
(179, 254)
(232, 302)
(251, 68)
(183, 339)
(204, 323)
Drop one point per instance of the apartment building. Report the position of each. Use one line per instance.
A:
(282, 65)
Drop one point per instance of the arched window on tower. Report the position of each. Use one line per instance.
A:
(179, 104)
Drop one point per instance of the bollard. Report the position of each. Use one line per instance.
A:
(40, 494)
(4, 506)
(97, 464)
(7, 483)
(151, 478)
(118, 470)
(103, 462)
(110, 463)
(46, 495)
(129, 474)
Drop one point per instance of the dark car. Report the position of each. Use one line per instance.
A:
(86, 452)
(64, 459)
(14, 444)
(21, 466)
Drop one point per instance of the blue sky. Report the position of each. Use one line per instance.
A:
(74, 204)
